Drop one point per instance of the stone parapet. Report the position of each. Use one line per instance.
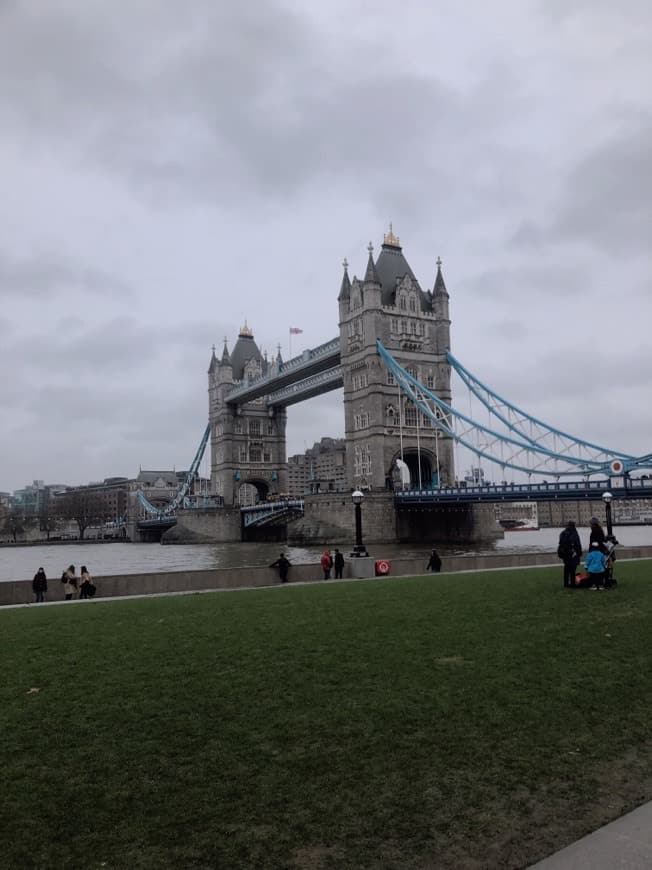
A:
(20, 591)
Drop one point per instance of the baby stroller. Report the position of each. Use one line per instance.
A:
(609, 547)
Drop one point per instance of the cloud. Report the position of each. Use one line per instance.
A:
(45, 275)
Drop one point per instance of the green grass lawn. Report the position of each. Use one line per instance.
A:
(478, 720)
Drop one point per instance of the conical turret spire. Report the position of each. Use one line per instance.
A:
(440, 286)
(213, 363)
(371, 275)
(345, 289)
(226, 359)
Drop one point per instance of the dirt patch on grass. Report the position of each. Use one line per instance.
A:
(451, 660)
(315, 858)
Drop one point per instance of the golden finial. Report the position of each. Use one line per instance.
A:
(245, 331)
(390, 239)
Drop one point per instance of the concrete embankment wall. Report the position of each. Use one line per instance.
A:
(20, 591)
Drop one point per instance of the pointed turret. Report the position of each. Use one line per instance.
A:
(213, 363)
(371, 275)
(226, 359)
(440, 309)
(345, 289)
(440, 286)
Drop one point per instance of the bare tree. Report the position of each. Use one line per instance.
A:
(82, 507)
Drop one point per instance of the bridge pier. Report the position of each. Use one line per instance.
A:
(447, 524)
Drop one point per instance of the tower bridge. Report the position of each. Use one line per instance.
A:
(403, 433)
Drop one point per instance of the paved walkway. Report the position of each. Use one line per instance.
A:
(625, 844)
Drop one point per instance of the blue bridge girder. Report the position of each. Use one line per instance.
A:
(566, 491)
(270, 512)
(300, 369)
(158, 523)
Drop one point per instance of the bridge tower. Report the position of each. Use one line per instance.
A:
(247, 440)
(380, 425)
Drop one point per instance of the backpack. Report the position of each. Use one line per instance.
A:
(64, 577)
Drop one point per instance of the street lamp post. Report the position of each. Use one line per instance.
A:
(606, 498)
(359, 549)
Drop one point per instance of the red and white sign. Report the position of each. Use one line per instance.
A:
(617, 466)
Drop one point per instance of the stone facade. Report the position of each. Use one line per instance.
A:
(322, 468)
(380, 425)
(248, 460)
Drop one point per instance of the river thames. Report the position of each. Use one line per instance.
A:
(22, 562)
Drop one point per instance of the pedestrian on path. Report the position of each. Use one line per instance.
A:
(71, 582)
(40, 585)
(326, 562)
(434, 563)
(339, 564)
(283, 564)
(87, 588)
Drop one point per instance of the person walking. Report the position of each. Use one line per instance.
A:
(326, 562)
(434, 563)
(339, 564)
(283, 564)
(71, 582)
(596, 565)
(40, 585)
(570, 552)
(87, 588)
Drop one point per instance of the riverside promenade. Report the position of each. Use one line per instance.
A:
(162, 582)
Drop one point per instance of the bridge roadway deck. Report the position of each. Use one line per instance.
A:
(525, 492)
(308, 364)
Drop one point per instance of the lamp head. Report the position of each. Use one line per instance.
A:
(606, 497)
(356, 497)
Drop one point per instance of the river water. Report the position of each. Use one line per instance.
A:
(21, 563)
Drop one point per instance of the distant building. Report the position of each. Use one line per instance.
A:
(322, 468)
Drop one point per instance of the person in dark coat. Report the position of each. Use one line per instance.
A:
(339, 564)
(597, 534)
(283, 564)
(434, 563)
(40, 585)
(570, 552)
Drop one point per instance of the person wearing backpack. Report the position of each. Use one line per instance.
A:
(87, 588)
(71, 582)
(570, 552)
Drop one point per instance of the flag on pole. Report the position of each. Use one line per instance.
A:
(294, 330)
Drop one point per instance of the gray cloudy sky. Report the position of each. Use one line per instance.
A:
(169, 170)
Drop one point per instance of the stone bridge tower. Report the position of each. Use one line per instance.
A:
(382, 426)
(248, 440)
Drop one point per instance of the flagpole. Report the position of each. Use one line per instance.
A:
(290, 341)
